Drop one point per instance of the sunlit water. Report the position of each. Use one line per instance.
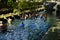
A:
(33, 30)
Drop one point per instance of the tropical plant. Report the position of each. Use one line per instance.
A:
(9, 3)
(24, 5)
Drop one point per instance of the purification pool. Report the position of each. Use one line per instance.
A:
(34, 29)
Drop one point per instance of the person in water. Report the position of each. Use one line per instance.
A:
(26, 16)
(9, 21)
(30, 16)
(3, 27)
(23, 17)
(34, 15)
(22, 25)
(43, 16)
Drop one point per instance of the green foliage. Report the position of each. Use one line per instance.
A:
(14, 5)
(33, 7)
(9, 3)
(15, 10)
(48, 0)
(24, 5)
(21, 5)
(41, 0)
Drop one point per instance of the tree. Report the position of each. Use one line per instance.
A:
(26, 5)
(11, 4)
(22, 5)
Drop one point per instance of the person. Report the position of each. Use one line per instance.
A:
(0, 25)
(9, 21)
(23, 16)
(30, 16)
(3, 27)
(36, 15)
(21, 25)
(26, 16)
(43, 16)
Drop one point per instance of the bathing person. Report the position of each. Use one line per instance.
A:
(3, 27)
(26, 16)
(30, 16)
(33, 16)
(36, 15)
(9, 21)
(22, 25)
(0, 25)
(43, 16)
(23, 17)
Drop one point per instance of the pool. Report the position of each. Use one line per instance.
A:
(34, 29)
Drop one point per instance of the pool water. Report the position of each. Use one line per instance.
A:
(33, 30)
